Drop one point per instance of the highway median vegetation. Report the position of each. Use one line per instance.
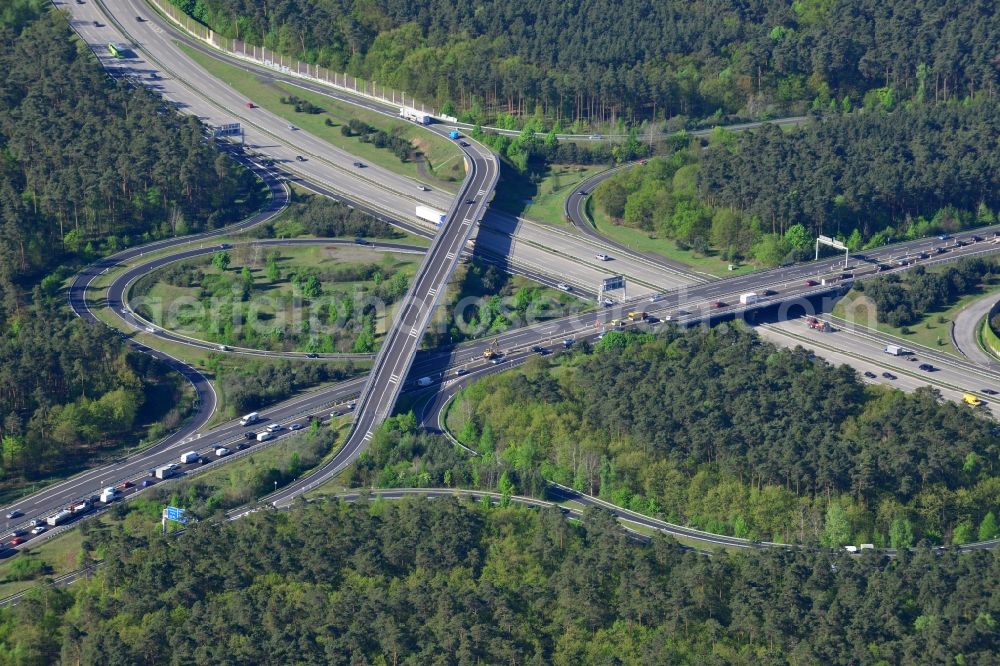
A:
(339, 583)
(721, 431)
(483, 300)
(430, 158)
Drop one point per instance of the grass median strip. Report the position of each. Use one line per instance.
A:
(442, 165)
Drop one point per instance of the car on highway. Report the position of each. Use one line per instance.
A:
(222, 452)
(977, 239)
(295, 426)
(274, 427)
(650, 319)
(567, 342)
(538, 349)
(352, 404)
(291, 127)
(926, 367)
(300, 158)
(360, 165)
(719, 304)
(602, 256)
(138, 19)
(126, 484)
(241, 446)
(989, 391)
(223, 348)
(653, 298)
(564, 287)
(38, 529)
(497, 360)
(461, 371)
(251, 105)
(312, 355)
(97, 24)
(464, 144)
(596, 137)
(944, 237)
(582, 193)
(423, 188)
(250, 435)
(768, 292)
(811, 283)
(869, 374)
(470, 201)
(17, 541)
(608, 302)
(14, 514)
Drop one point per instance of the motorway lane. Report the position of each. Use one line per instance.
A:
(864, 350)
(965, 331)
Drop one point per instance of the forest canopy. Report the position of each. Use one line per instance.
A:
(867, 177)
(443, 581)
(721, 430)
(636, 58)
(88, 165)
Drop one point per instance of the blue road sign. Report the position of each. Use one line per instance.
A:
(175, 514)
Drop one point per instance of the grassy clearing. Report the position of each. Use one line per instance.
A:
(60, 555)
(932, 330)
(636, 239)
(445, 167)
(349, 272)
(545, 200)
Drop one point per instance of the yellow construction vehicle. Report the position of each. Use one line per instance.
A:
(493, 350)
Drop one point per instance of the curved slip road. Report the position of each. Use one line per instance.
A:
(965, 331)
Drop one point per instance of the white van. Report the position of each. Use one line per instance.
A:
(189, 457)
(250, 419)
(264, 436)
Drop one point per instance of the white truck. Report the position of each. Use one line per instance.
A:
(109, 495)
(409, 113)
(59, 517)
(432, 215)
(165, 472)
(749, 298)
(250, 419)
(264, 436)
(189, 457)
(895, 350)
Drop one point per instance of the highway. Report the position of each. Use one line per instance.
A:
(392, 364)
(792, 286)
(965, 331)
(697, 302)
(326, 169)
